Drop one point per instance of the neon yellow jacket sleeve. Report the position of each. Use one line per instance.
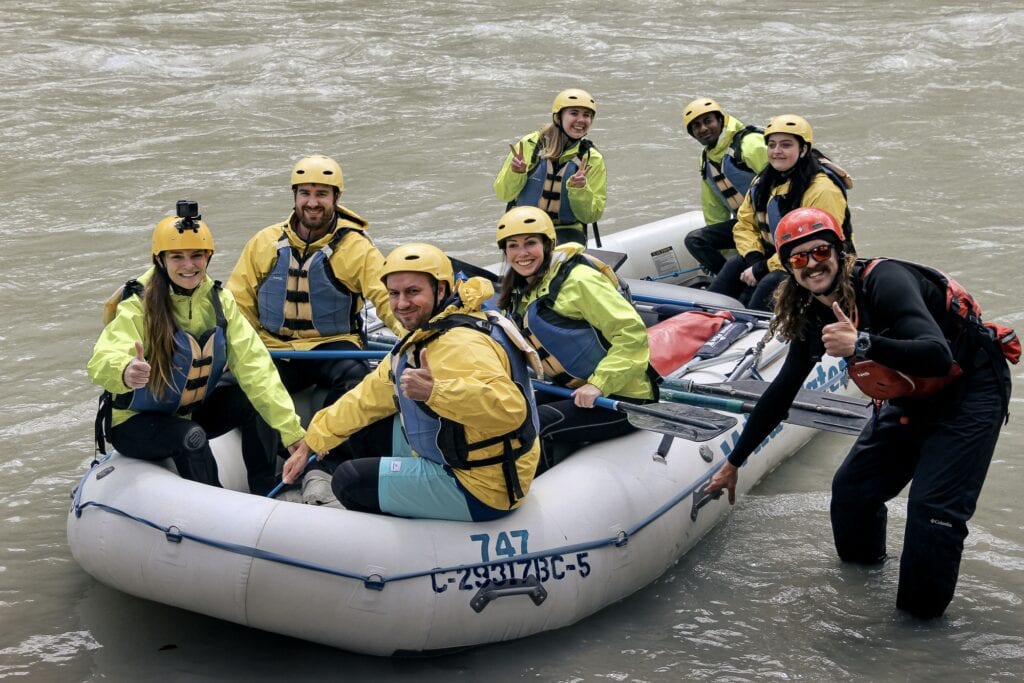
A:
(370, 400)
(588, 295)
(508, 184)
(588, 202)
(251, 364)
(247, 357)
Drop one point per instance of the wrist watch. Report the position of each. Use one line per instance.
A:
(862, 345)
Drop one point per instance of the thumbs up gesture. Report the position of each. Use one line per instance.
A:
(417, 383)
(518, 164)
(136, 374)
(840, 336)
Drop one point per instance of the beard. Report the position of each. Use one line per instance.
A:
(323, 222)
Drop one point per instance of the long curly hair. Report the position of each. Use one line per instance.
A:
(793, 302)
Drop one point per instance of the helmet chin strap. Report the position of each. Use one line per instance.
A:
(439, 303)
(558, 124)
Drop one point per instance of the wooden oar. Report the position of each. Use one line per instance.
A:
(686, 422)
(817, 409)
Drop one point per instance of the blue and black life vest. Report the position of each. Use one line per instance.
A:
(196, 367)
(569, 349)
(547, 182)
(301, 297)
(444, 441)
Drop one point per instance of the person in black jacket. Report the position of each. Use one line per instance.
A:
(945, 386)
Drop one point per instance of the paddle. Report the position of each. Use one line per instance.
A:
(277, 489)
(817, 409)
(685, 422)
(648, 299)
(314, 354)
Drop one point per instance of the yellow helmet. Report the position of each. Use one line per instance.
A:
(792, 124)
(318, 168)
(417, 257)
(525, 220)
(699, 107)
(175, 233)
(573, 97)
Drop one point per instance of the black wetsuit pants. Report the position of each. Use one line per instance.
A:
(943, 450)
(155, 436)
(706, 244)
(759, 297)
(565, 428)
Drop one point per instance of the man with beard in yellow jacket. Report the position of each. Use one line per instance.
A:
(301, 282)
(460, 385)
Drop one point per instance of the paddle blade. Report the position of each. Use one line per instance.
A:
(817, 409)
(682, 421)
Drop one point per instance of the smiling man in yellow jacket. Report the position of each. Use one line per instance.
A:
(460, 385)
(302, 282)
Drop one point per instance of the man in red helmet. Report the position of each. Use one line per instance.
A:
(941, 381)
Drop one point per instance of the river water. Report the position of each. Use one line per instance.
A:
(112, 110)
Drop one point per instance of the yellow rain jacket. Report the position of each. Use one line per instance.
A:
(822, 193)
(247, 357)
(356, 263)
(588, 295)
(472, 385)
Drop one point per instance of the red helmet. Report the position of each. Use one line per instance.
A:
(799, 224)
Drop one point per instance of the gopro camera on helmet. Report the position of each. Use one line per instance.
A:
(188, 212)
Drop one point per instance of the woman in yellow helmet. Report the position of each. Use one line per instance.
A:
(163, 353)
(795, 177)
(558, 170)
(588, 336)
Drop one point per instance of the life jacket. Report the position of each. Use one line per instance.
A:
(131, 288)
(961, 324)
(768, 220)
(444, 441)
(301, 297)
(547, 182)
(570, 350)
(196, 367)
(730, 178)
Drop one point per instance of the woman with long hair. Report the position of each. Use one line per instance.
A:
(588, 336)
(161, 360)
(796, 176)
(558, 169)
